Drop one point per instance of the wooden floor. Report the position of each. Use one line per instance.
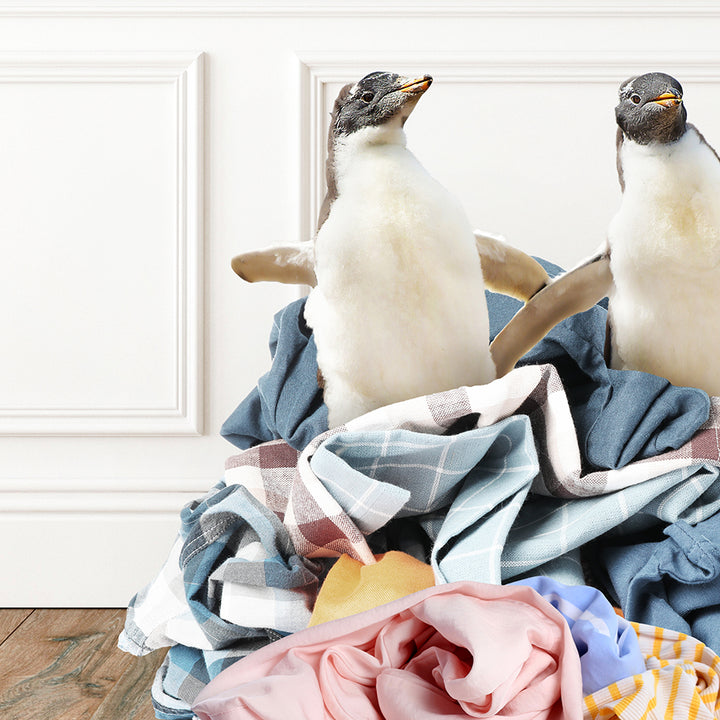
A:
(65, 665)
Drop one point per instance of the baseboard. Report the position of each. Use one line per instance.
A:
(83, 549)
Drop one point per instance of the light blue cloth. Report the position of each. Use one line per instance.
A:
(548, 528)
(674, 583)
(479, 478)
(470, 494)
(607, 644)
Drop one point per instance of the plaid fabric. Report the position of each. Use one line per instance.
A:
(504, 497)
(537, 392)
(232, 575)
(682, 680)
(185, 671)
(488, 530)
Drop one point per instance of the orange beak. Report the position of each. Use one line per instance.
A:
(417, 85)
(667, 99)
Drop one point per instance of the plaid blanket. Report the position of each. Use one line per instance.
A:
(489, 478)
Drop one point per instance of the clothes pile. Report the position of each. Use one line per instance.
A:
(547, 545)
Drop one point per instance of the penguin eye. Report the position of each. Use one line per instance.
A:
(635, 98)
(367, 97)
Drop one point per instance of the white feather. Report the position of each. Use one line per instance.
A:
(399, 310)
(665, 261)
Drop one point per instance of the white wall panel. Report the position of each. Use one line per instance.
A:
(143, 144)
(101, 190)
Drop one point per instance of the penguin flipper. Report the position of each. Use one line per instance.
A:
(291, 264)
(508, 270)
(575, 291)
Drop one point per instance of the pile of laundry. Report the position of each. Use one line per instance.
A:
(544, 545)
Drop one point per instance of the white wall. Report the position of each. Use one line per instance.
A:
(142, 145)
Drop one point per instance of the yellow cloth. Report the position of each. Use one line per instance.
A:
(682, 682)
(351, 587)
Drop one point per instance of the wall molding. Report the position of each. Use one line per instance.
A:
(103, 496)
(184, 72)
(122, 532)
(90, 551)
(99, 503)
(318, 69)
(107, 485)
(359, 8)
(95, 503)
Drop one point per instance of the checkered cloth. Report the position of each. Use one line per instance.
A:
(231, 574)
(490, 476)
(537, 393)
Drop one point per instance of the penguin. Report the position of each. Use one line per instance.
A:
(397, 302)
(660, 265)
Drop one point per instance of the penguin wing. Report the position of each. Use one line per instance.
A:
(575, 291)
(291, 264)
(508, 270)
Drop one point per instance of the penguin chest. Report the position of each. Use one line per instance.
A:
(399, 309)
(665, 261)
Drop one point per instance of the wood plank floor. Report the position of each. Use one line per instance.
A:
(65, 665)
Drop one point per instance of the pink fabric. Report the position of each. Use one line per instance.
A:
(459, 650)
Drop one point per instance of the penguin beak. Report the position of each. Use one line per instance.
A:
(667, 99)
(416, 86)
(402, 97)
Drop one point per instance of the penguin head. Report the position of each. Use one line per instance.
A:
(377, 99)
(651, 109)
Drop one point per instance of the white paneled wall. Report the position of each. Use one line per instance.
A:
(102, 190)
(144, 144)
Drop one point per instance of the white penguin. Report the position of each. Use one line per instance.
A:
(661, 266)
(399, 309)
(398, 305)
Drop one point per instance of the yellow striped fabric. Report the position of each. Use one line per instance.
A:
(682, 682)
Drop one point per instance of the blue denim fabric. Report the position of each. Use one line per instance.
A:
(674, 583)
(620, 415)
(287, 402)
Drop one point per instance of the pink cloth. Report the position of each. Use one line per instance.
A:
(458, 650)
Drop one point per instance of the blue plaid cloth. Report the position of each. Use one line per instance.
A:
(489, 529)
(232, 584)
(479, 478)
(185, 671)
